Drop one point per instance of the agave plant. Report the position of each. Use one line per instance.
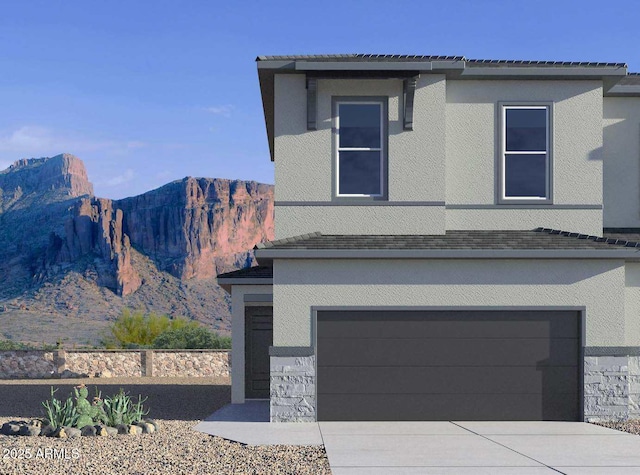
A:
(120, 409)
(60, 413)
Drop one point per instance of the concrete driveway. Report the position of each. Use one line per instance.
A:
(478, 448)
(526, 448)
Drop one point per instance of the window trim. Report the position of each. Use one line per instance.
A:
(384, 131)
(502, 107)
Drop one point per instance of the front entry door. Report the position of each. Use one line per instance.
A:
(258, 338)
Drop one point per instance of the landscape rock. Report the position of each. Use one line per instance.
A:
(11, 428)
(101, 430)
(111, 431)
(35, 422)
(47, 430)
(135, 430)
(60, 433)
(146, 427)
(88, 431)
(29, 430)
(72, 432)
(122, 429)
(154, 423)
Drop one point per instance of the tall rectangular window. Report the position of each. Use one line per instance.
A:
(525, 154)
(360, 148)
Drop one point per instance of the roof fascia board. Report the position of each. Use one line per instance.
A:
(248, 281)
(362, 66)
(267, 254)
(624, 90)
(276, 64)
(447, 65)
(534, 72)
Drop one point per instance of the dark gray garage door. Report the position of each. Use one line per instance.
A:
(448, 365)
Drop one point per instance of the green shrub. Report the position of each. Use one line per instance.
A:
(137, 330)
(120, 409)
(11, 345)
(60, 413)
(191, 337)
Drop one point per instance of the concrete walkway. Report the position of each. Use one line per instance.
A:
(527, 448)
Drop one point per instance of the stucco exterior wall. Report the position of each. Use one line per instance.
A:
(472, 138)
(304, 159)
(632, 302)
(297, 220)
(597, 285)
(586, 221)
(621, 162)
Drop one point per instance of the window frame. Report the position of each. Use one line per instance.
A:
(384, 137)
(503, 106)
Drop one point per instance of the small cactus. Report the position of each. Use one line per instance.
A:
(88, 413)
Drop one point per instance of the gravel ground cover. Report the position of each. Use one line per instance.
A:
(631, 426)
(177, 404)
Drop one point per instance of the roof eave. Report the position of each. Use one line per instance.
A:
(622, 90)
(267, 255)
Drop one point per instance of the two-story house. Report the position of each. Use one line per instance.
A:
(454, 241)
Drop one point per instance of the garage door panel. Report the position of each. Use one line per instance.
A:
(446, 407)
(448, 365)
(438, 380)
(446, 352)
(443, 324)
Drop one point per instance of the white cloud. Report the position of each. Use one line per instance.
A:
(38, 141)
(224, 110)
(120, 179)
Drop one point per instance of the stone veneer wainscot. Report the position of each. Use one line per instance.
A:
(293, 389)
(611, 388)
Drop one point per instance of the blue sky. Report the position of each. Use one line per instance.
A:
(146, 92)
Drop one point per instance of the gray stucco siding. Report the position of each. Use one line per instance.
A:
(585, 221)
(473, 143)
(304, 159)
(596, 285)
(621, 174)
(297, 220)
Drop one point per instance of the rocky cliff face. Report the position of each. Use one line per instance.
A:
(95, 227)
(191, 228)
(199, 227)
(50, 179)
(149, 251)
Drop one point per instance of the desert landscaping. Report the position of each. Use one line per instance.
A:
(176, 405)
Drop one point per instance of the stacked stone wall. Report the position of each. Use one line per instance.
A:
(31, 364)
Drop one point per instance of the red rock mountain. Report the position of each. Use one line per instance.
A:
(51, 226)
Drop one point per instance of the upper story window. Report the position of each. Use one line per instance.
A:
(360, 144)
(525, 156)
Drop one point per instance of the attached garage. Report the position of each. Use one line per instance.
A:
(448, 365)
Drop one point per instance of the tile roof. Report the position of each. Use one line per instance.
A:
(541, 238)
(360, 57)
(256, 272)
(419, 58)
(525, 63)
